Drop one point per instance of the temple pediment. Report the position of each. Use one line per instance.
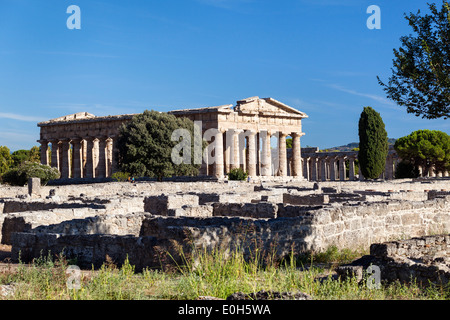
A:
(224, 108)
(269, 106)
(75, 116)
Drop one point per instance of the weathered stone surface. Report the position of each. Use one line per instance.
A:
(251, 210)
(227, 215)
(192, 211)
(34, 187)
(161, 204)
(309, 200)
(422, 259)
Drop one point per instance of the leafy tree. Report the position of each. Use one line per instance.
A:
(19, 176)
(5, 159)
(420, 78)
(20, 156)
(145, 146)
(373, 143)
(35, 154)
(425, 148)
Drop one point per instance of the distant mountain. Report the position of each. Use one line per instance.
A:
(353, 145)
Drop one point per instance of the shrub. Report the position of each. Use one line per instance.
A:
(19, 176)
(237, 174)
(120, 176)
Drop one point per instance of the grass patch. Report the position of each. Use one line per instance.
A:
(217, 273)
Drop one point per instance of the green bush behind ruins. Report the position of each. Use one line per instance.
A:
(373, 144)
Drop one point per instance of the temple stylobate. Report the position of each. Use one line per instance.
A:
(251, 135)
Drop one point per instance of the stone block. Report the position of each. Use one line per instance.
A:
(192, 211)
(34, 187)
(160, 204)
(309, 200)
(260, 210)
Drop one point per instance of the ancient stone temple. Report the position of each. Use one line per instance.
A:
(82, 145)
(252, 135)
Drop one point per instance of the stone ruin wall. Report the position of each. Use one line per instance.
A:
(120, 219)
(425, 259)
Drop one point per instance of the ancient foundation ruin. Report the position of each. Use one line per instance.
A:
(150, 221)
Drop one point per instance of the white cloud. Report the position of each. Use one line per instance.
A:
(20, 117)
(17, 140)
(366, 95)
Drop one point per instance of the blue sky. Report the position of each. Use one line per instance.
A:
(315, 55)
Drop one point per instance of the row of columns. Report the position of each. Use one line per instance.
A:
(334, 168)
(251, 151)
(318, 168)
(80, 158)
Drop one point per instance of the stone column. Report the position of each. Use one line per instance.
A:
(420, 171)
(258, 153)
(332, 166)
(351, 168)
(228, 145)
(95, 157)
(296, 155)
(266, 154)
(242, 150)
(282, 155)
(77, 158)
(89, 158)
(432, 172)
(218, 154)
(314, 169)
(109, 157)
(65, 159)
(235, 150)
(252, 154)
(101, 164)
(342, 171)
(306, 168)
(55, 154)
(44, 152)
(323, 169)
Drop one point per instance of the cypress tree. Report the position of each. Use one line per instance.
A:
(373, 144)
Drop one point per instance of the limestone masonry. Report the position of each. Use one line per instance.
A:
(151, 221)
